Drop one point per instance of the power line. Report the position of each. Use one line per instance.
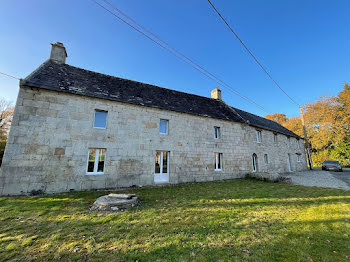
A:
(251, 54)
(10, 76)
(173, 51)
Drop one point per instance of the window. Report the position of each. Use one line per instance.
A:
(298, 158)
(266, 159)
(100, 120)
(163, 126)
(275, 138)
(288, 138)
(298, 144)
(218, 161)
(161, 163)
(258, 136)
(217, 133)
(96, 161)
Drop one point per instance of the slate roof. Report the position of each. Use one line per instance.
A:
(69, 79)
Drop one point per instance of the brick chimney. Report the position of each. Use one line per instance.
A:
(216, 94)
(58, 53)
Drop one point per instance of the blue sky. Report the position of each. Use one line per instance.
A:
(304, 44)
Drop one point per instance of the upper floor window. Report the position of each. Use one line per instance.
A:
(96, 161)
(298, 158)
(217, 133)
(258, 136)
(298, 143)
(266, 159)
(218, 161)
(275, 138)
(100, 120)
(163, 126)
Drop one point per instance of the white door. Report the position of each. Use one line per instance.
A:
(161, 174)
(289, 163)
(255, 163)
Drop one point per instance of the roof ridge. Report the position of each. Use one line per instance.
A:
(151, 85)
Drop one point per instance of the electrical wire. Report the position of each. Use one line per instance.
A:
(251, 54)
(173, 51)
(10, 76)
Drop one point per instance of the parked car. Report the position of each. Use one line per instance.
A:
(332, 165)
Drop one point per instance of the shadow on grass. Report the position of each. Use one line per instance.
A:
(231, 220)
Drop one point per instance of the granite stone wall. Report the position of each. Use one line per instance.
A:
(52, 132)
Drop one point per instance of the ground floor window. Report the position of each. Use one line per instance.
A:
(96, 161)
(161, 172)
(218, 161)
(255, 162)
(266, 159)
(161, 164)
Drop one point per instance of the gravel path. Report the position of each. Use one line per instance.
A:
(317, 178)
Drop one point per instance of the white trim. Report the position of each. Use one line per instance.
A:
(162, 177)
(258, 136)
(167, 126)
(255, 162)
(217, 132)
(93, 123)
(218, 156)
(97, 154)
(266, 159)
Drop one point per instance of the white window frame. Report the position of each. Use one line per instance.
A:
(96, 162)
(258, 136)
(298, 158)
(218, 156)
(93, 124)
(167, 126)
(161, 162)
(266, 159)
(217, 132)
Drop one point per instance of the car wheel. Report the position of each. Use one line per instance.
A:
(323, 168)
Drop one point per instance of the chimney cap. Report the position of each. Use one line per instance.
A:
(216, 94)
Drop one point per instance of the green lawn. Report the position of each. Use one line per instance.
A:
(240, 220)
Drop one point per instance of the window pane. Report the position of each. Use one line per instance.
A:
(165, 162)
(91, 163)
(101, 160)
(100, 119)
(163, 126)
(219, 159)
(157, 164)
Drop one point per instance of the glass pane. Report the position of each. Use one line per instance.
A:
(163, 127)
(157, 164)
(219, 159)
(91, 163)
(101, 160)
(100, 119)
(165, 162)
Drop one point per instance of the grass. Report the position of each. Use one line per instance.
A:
(240, 220)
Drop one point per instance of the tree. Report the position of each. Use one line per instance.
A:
(328, 125)
(277, 117)
(6, 113)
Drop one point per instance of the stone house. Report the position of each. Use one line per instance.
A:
(75, 129)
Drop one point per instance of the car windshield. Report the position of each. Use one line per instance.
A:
(331, 162)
